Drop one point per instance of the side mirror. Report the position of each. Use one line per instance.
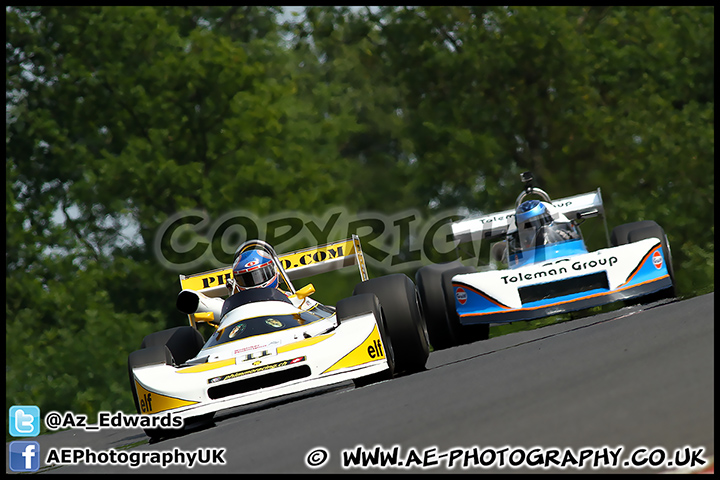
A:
(305, 291)
(204, 317)
(498, 251)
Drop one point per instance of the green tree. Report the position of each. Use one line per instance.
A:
(118, 117)
(619, 98)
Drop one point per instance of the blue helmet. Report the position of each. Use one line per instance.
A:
(539, 226)
(533, 212)
(531, 217)
(254, 269)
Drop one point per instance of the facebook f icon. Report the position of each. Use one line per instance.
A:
(24, 456)
(24, 421)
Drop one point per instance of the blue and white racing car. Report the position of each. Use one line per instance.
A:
(547, 267)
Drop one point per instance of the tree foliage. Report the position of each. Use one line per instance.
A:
(119, 117)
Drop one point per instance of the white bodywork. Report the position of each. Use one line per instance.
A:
(184, 390)
(618, 263)
(325, 351)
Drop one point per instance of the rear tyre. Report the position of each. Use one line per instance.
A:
(183, 342)
(405, 324)
(619, 234)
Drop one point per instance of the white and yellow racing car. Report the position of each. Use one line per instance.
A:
(270, 342)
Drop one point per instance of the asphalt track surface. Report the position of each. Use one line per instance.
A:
(638, 379)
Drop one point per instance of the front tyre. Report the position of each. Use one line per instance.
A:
(432, 299)
(157, 355)
(464, 333)
(405, 323)
(167, 347)
(636, 231)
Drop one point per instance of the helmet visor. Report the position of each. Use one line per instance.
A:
(255, 278)
(531, 231)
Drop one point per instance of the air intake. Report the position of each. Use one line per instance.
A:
(569, 286)
(256, 383)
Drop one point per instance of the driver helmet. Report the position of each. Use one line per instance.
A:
(253, 269)
(531, 217)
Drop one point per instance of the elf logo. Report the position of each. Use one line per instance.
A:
(146, 403)
(375, 349)
(657, 259)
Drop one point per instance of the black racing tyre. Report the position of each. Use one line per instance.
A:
(350, 307)
(636, 231)
(619, 235)
(432, 299)
(182, 342)
(462, 333)
(158, 354)
(405, 324)
(656, 231)
(173, 346)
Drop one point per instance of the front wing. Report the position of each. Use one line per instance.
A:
(562, 285)
(353, 350)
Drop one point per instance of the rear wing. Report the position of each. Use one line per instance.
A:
(585, 205)
(293, 265)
